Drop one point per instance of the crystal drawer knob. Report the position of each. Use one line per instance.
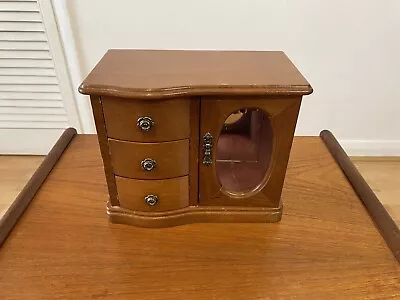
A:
(151, 200)
(145, 123)
(148, 164)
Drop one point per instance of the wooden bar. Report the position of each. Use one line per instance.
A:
(388, 228)
(23, 199)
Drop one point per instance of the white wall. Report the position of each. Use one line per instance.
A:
(348, 50)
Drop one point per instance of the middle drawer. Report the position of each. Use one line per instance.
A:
(150, 160)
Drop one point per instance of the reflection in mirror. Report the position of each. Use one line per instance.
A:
(244, 150)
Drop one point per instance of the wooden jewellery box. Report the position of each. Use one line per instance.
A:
(194, 136)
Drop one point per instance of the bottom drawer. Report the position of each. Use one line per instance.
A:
(138, 195)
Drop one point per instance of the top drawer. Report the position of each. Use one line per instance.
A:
(128, 119)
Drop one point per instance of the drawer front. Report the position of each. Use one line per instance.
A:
(146, 120)
(153, 195)
(150, 160)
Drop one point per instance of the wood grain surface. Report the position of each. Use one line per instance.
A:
(382, 174)
(171, 119)
(150, 74)
(193, 214)
(104, 147)
(172, 193)
(172, 159)
(17, 208)
(382, 219)
(325, 247)
(15, 172)
(194, 151)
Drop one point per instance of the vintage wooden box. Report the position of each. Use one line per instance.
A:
(195, 136)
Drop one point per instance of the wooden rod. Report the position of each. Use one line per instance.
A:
(17, 208)
(388, 228)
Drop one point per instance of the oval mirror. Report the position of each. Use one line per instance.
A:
(244, 151)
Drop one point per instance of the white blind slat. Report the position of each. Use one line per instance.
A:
(29, 6)
(21, 26)
(33, 125)
(27, 72)
(15, 110)
(23, 36)
(29, 96)
(18, 0)
(31, 103)
(22, 16)
(28, 80)
(26, 63)
(20, 45)
(29, 88)
(33, 118)
(27, 54)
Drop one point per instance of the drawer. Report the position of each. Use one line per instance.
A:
(169, 119)
(138, 194)
(129, 159)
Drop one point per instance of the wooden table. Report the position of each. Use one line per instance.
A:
(325, 247)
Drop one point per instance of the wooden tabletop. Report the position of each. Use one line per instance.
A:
(325, 247)
(150, 74)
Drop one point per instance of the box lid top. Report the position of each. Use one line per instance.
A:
(169, 73)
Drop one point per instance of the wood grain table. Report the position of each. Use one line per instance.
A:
(326, 246)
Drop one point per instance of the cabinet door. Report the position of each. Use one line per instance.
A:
(244, 149)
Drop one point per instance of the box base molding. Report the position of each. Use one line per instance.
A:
(194, 214)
